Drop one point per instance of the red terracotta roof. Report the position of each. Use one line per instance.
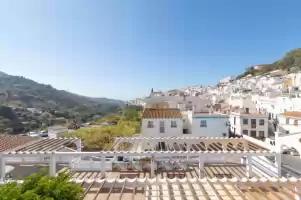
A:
(161, 113)
(8, 142)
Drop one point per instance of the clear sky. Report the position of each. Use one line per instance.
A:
(123, 48)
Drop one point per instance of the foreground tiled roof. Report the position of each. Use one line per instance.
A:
(161, 113)
(190, 189)
(47, 144)
(11, 143)
(181, 171)
(8, 142)
(199, 144)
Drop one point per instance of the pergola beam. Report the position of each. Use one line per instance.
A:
(143, 153)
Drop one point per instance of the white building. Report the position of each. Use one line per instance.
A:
(288, 134)
(243, 103)
(251, 124)
(227, 79)
(297, 80)
(161, 122)
(210, 124)
(289, 121)
(173, 122)
(57, 131)
(190, 102)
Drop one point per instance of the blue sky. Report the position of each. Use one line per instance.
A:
(123, 48)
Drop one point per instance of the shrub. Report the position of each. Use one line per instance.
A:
(39, 186)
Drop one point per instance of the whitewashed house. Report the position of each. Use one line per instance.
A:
(207, 124)
(289, 122)
(251, 124)
(190, 102)
(162, 122)
(288, 134)
(241, 102)
(297, 80)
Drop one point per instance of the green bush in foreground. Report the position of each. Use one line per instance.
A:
(42, 187)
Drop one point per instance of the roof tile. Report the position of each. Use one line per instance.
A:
(161, 113)
(292, 114)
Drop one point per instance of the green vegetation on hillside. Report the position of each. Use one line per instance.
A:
(42, 187)
(291, 62)
(53, 106)
(99, 138)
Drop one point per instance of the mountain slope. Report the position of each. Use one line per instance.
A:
(290, 62)
(18, 93)
(23, 92)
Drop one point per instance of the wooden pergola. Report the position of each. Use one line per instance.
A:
(191, 189)
(197, 149)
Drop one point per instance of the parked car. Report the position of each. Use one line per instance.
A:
(33, 134)
(44, 133)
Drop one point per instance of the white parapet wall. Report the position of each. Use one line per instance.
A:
(90, 166)
(38, 159)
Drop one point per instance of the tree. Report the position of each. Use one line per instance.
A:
(39, 186)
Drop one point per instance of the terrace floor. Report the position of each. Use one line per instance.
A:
(191, 171)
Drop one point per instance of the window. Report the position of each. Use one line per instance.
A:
(162, 128)
(296, 122)
(287, 120)
(245, 132)
(261, 133)
(203, 123)
(253, 134)
(253, 123)
(150, 124)
(161, 145)
(173, 124)
(261, 122)
(245, 121)
(185, 131)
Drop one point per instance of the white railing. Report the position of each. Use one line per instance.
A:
(39, 159)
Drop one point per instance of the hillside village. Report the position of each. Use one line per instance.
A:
(239, 139)
(262, 107)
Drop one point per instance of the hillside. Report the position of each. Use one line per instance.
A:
(17, 93)
(291, 62)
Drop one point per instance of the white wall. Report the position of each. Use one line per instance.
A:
(155, 131)
(187, 120)
(289, 127)
(57, 131)
(288, 141)
(297, 80)
(195, 101)
(241, 102)
(216, 126)
(239, 126)
(90, 166)
(258, 127)
(182, 107)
